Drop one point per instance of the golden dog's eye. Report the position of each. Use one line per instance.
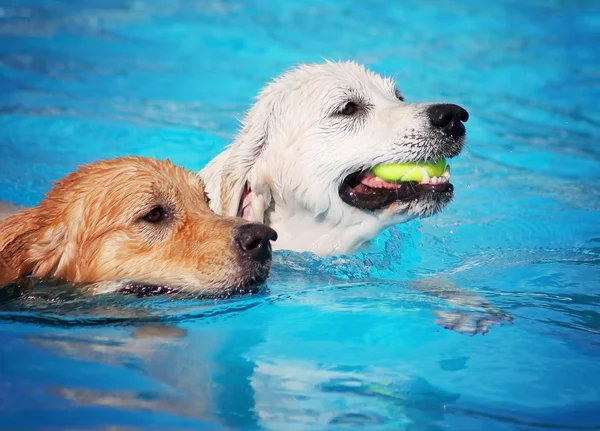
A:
(156, 215)
(349, 109)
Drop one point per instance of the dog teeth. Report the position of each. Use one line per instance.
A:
(370, 180)
(446, 173)
(438, 180)
(444, 178)
(425, 179)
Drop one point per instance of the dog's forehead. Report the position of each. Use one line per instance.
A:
(182, 191)
(331, 77)
(168, 180)
(139, 183)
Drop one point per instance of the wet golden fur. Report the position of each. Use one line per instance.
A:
(91, 227)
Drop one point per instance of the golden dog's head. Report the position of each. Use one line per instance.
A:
(134, 219)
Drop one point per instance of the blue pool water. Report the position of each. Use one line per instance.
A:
(336, 343)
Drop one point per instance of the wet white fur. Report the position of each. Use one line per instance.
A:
(294, 151)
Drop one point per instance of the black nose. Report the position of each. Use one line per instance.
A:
(252, 240)
(448, 118)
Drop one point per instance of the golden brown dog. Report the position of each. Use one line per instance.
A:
(134, 219)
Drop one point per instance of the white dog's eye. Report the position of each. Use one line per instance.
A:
(349, 109)
(399, 95)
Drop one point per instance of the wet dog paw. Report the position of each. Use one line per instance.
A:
(472, 322)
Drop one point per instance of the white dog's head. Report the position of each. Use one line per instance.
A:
(308, 144)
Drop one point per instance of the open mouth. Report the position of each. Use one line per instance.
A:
(367, 191)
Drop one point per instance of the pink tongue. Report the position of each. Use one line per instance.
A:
(370, 180)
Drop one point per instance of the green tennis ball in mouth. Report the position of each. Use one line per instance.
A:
(402, 172)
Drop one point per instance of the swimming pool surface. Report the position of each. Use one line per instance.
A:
(337, 343)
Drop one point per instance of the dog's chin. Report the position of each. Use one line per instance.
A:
(248, 284)
(412, 198)
(199, 292)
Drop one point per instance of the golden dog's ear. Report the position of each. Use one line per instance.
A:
(30, 246)
(17, 234)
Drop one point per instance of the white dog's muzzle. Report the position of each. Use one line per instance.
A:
(445, 139)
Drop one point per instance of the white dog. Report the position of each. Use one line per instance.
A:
(302, 161)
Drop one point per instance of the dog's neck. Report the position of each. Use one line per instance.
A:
(301, 231)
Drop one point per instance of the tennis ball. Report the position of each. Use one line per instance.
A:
(402, 172)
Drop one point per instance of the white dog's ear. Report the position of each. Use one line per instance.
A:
(253, 205)
(245, 181)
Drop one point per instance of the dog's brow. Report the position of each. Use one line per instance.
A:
(338, 97)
